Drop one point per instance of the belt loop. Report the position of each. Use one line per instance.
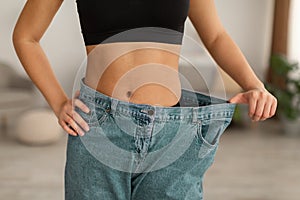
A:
(195, 115)
(113, 106)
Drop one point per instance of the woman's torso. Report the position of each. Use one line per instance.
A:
(142, 71)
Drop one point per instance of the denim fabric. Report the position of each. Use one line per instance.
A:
(140, 151)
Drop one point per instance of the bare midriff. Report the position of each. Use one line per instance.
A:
(137, 72)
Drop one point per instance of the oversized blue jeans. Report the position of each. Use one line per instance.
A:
(144, 152)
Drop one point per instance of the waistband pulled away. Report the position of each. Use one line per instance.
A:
(194, 106)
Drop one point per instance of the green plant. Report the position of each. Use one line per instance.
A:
(285, 85)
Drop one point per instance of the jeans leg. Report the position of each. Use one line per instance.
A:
(181, 179)
(86, 178)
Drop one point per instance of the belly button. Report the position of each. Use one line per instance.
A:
(128, 94)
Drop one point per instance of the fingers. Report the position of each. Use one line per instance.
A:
(266, 112)
(239, 98)
(262, 105)
(78, 103)
(79, 120)
(273, 107)
(81, 105)
(70, 120)
(73, 124)
(69, 129)
(252, 106)
(259, 110)
(70, 126)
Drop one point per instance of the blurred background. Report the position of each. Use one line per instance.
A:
(255, 161)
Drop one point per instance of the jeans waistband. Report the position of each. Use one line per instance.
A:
(194, 106)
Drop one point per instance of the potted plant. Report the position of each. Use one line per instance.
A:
(285, 85)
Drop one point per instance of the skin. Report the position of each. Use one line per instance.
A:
(140, 68)
(31, 26)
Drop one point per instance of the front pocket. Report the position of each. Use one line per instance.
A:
(209, 133)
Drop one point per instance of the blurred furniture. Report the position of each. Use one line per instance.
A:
(280, 30)
(16, 95)
(38, 127)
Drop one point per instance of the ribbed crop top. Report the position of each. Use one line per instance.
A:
(151, 20)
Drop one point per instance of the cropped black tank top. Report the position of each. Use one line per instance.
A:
(138, 20)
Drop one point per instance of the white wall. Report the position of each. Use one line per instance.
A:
(62, 42)
(294, 32)
(247, 21)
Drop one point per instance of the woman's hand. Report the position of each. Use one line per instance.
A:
(262, 104)
(70, 120)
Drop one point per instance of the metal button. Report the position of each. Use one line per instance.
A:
(150, 112)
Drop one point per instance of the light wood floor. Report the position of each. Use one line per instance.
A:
(258, 163)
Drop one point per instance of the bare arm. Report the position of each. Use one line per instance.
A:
(33, 21)
(229, 57)
(31, 25)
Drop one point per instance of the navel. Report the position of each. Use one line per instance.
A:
(128, 94)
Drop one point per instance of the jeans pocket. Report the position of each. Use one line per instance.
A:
(209, 133)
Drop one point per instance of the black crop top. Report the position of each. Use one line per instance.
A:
(142, 20)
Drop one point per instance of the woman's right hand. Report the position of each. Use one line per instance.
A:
(70, 120)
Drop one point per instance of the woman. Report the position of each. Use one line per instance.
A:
(117, 97)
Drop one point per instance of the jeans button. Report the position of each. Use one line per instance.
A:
(150, 112)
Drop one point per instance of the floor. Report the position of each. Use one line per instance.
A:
(258, 163)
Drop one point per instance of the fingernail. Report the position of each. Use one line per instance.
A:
(81, 133)
(86, 128)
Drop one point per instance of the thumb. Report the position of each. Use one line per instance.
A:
(239, 98)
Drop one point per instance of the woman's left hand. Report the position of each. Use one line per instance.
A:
(262, 104)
